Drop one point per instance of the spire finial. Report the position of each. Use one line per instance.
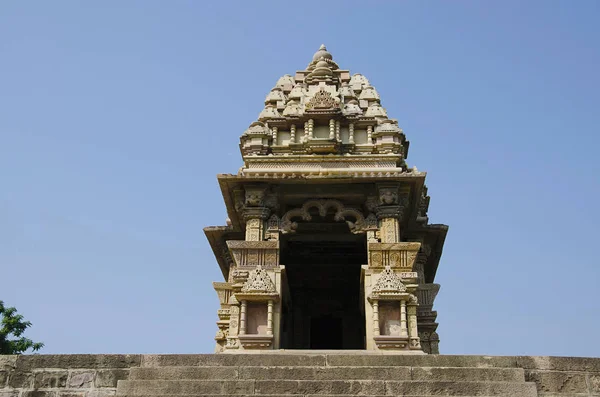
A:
(322, 53)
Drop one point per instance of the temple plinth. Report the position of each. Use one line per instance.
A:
(328, 243)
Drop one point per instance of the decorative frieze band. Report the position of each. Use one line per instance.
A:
(251, 254)
(396, 255)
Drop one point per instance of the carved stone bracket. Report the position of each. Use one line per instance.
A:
(427, 294)
(392, 202)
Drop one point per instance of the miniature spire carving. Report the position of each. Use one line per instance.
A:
(389, 283)
(259, 282)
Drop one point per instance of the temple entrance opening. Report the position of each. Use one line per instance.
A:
(324, 308)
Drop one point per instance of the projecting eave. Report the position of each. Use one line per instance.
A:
(433, 235)
(217, 237)
(229, 182)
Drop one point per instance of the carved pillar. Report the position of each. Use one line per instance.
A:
(413, 333)
(331, 129)
(376, 331)
(243, 318)
(274, 135)
(270, 318)
(403, 328)
(255, 213)
(293, 133)
(311, 124)
(337, 131)
(351, 133)
(370, 134)
(389, 213)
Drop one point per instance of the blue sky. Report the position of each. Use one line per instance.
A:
(116, 116)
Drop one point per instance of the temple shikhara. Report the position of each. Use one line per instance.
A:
(327, 244)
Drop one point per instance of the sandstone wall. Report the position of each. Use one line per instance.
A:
(81, 375)
(97, 375)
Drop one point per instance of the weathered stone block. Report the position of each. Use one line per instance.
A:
(3, 378)
(28, 362)
(48, 379)
(109, 377)
(101, 393)
(7, 362)
(558, 382)
(9, 393)
(81, 379)
(71, 394)
(559, 363)
(594, 383)
(38, 393)
(20, 379)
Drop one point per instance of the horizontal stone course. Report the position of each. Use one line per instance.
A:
(184, 387)
(351, 387)
(365, 387)
(91, 361)
(422, 361)
(468, 374)
(191, 373)
(166, 360)
(461, 388)
(297, 374)
(584, 364)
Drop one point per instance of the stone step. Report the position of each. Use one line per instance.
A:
(320, 387)
(329, 373)
(342, 359)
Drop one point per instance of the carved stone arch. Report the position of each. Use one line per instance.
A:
(288, 225)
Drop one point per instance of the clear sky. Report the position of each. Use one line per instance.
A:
(116, 116)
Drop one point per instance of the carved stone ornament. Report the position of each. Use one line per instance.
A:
(322, 100)
(288, 225)
(273, 223)
(254, 196)
(388, 195)
(259, 281)
(389, 283)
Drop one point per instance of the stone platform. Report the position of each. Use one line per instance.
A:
(296, 373)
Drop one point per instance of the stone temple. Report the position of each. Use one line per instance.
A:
(329, 262)
(328, 244)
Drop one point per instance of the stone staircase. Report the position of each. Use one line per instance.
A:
(326, 375)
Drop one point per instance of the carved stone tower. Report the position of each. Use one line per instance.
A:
(328, 244)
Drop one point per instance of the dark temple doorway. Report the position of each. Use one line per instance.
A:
(324, 306)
